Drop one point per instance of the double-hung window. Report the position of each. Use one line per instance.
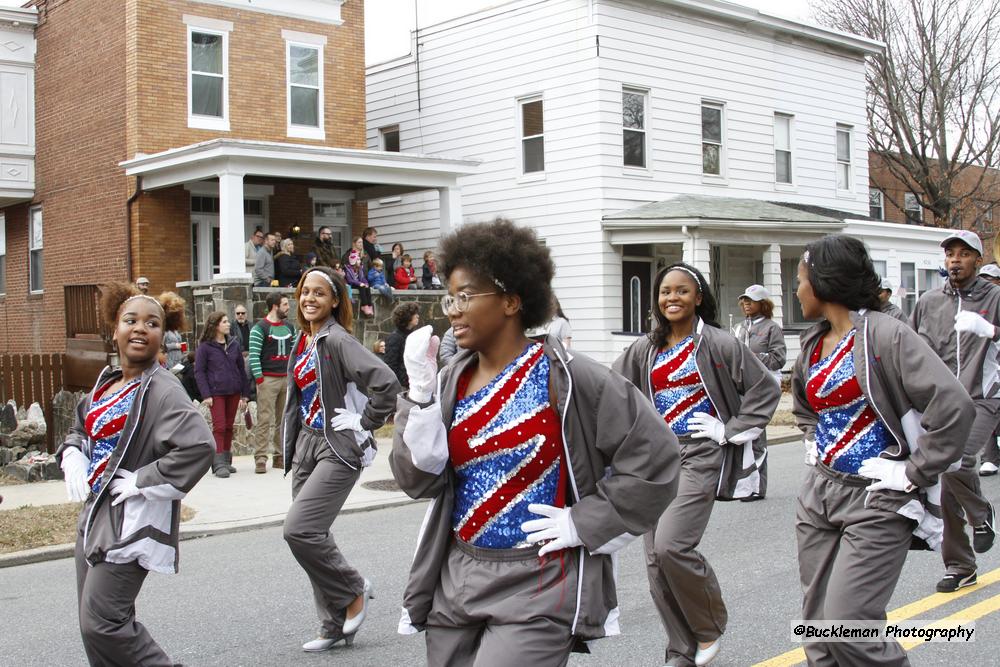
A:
(712, 132)
(912, 209)
(634, 127)
(389, 138)
(844, 167)
(876, 209)
(35, 249)
(782, 149)
(208, 73)
(532, 135)
(305, 84)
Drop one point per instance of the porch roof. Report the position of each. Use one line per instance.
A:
(373, 173)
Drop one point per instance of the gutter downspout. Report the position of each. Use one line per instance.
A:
(128, 227)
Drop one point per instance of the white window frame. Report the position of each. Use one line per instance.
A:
(305, 41)
(849, 129)
(3, 254)
(919, 210)
(382, 131)
(721, 106)
(33, 249)
(644, 93)
(209, 27)
(881, 202)
(529, 175)
(790, 183)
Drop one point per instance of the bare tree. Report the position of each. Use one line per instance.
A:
(934, 98)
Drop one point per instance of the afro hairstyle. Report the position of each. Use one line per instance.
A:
(173, 310)
(403, 314)
(113, 295)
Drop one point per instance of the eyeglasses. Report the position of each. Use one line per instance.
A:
(238, 314)
(460, 301)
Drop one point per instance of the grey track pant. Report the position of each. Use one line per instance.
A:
(850, 558)
(321, 483)
(106, 594)
(961, 494)
(502, 607)
(685, 589)
(759, 449)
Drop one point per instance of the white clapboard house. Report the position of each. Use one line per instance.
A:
(631, 133)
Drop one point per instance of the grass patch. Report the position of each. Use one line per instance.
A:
(386, 431)
(30, 526)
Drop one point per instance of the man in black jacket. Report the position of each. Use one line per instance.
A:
(406, 317)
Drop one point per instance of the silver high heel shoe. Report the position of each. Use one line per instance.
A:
(351, 625)
(325, 644)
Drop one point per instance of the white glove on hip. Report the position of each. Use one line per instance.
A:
(420, 359)
(704, 425)
(75, 465)
(812, 454)
(974, 323)
(557, 527)
(345, 420)
(123, 486)
(887, 474)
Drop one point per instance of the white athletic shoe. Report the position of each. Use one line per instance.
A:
(988, 469)
(703, 656)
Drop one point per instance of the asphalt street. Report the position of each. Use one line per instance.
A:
(240, 599)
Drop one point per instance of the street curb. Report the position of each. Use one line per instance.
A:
(57, 551)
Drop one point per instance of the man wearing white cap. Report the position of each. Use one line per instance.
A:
(142, 284)
(888, 307)
(959, 322)
(990, 272)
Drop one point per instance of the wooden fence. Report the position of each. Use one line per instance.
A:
(32, 378)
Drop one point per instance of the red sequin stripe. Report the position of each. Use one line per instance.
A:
(682, 407)
(661, 374)
(815, 383)
(501, 499)
(482, 416)
(113, 426)
(501, 440)
(858, 424)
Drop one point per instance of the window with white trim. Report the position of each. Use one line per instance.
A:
(783, 148)
(305, 90)
(912, 209)
(634, 127)
(908, 286)
(532, 116)
(3, 253)
(712, 132)
(388, 138)
(35, 249)
(876, 209)
(844, 167)
(208, 74)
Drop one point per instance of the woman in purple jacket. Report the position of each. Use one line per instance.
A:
(222, 381)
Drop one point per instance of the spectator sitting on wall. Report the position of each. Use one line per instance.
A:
(406, 317)
(252, 247)
(338, 268)
(309, 260)
(406, 277)
(369, 243)
(263, 268)
(326, 254)
(143, 285)
(376, 279)
(359, 247)
(355, 276)
(392, 262)
(430, 277)
(287, 268)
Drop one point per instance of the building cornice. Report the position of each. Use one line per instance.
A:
(17, 17)
(319, 11)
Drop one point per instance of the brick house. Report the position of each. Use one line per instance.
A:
(166, 130)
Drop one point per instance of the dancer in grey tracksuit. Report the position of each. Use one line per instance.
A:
(717, 397)
(327, 440)
(517, 441)
(136, 447)
(766, 339)
(959, 321)
(882, 420)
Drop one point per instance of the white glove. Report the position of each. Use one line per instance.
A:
(420, 359)
(74, 466)
(974, 323)
(812, 454)
(123, 486)
(704, 425)
(345, 420)
(558, 528)
(887, 474)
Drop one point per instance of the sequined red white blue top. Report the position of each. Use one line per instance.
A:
(848, 431)
(506, 448)
(104, 423)
(678, 391)
(310, 407)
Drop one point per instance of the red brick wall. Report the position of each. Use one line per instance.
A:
(161, 238)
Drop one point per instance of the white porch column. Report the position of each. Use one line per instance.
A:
(772, 279)
(231, 241)
(450, 208)
(698, 253)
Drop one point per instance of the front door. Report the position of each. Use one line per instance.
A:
(204, 246)
(636, 295)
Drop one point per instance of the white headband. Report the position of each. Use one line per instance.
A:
(324, 276)
(690, 273)
(143, 296)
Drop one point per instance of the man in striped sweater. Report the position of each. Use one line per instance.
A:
(270, 345)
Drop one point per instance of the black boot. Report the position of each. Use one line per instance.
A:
(219, 467)
(229, 461)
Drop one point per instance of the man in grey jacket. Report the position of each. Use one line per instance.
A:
(959, 322)
(888, 307)
(263, 268)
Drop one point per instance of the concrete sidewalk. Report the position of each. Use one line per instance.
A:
(246, 500)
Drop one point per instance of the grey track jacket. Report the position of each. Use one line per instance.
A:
(920, 402)
(622, 460)
(767, 341)
(743, 393)
(350, 376)
(893, 310)
(168, 445)
(973, 359)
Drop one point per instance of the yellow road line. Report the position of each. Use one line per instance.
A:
(978, 610)
(796, 656)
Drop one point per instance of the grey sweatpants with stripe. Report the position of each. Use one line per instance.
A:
(961, 494)
(850, 557)
(502, 607)
(685, 589)
(106, 594)
(321, 483)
